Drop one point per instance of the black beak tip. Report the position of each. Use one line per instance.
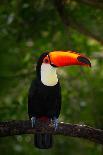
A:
(90, 65)
(84, 60)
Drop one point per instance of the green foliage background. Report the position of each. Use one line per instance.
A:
(28, 28)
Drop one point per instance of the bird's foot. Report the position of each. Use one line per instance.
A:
(55, 123)
(33, 120)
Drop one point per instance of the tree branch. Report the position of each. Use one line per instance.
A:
(68, 21)
(10, 128)
(95, 3)
(17, 76)
(98, 55)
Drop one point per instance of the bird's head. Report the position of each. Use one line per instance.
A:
(48, 62)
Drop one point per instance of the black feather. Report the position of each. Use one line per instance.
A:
(44, 100)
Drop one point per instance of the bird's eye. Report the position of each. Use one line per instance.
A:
(46, 60)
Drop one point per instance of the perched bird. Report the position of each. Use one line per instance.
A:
(44, 99)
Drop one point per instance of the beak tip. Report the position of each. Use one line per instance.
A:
(84, 60)
(90, 65)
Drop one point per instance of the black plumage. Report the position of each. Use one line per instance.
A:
(43, 101)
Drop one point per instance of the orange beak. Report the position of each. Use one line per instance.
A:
(60, 58)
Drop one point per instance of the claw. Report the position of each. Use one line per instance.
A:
(55, 123)
(33, 120)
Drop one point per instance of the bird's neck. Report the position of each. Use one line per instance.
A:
(48, 75)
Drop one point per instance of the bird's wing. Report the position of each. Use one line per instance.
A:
(58, 102)
(32, 98)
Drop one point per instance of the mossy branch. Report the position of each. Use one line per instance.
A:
(10, 128)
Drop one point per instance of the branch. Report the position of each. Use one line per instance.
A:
(69, 21)
(95, 3)
(17, 76)
(10, 128)
(98, 55)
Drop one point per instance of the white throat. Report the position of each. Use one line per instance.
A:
(48, 75)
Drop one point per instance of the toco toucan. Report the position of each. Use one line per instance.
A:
(44, 99)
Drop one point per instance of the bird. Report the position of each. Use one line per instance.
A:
(44, 97)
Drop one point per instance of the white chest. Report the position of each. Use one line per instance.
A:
(48, 75)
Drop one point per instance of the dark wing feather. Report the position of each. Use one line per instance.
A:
(32, 98)
(58, 102)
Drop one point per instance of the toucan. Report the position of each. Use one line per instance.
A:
(44, 99)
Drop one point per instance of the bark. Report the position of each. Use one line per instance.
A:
(10, 128)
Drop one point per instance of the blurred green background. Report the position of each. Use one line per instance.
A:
(30, 27)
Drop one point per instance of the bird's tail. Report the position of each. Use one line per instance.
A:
(43, 140)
